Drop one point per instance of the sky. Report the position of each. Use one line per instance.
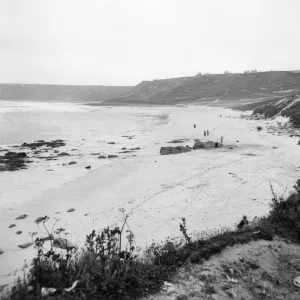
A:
(122, 42)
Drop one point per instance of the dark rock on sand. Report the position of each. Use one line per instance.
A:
(137, 148)
(72, 162)
(24, 246)
(88, 167)
(63, 244)
(101, 156)
(41, 143)
(24, 216)
(12, 226)
(112, 156)
(1, 252)
(41, 219)
(56, 151)
(98, 153)
(177, 141)
(198, 145)
(18, 232)
(63, 154)
(174, 150)
(13, 161)
(71, 210)
(50, 237)
(206, 145)
(124, 148)
(111, 143)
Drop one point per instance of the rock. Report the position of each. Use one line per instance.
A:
(18, 232)
(112, 156)
(178, 141)
(40, 219)
(198, 145)
(71, 210)
(274, 147)
(88, 167)
(49, 170)
(12, 225)
(15, 154)
(174, 150)
(50, 237)
(298, 143)
(22, 217)
(98, 153)
(56, 151)
(63, 244)
(63, 154)
(72, 162)
(137, 148)
(24, 246)
(101, 156)
(124, 148)
(111, 143)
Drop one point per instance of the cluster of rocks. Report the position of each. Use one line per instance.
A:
(13, 161)
(42, 143)
(182, 149)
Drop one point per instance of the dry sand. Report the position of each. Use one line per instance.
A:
(210, 188)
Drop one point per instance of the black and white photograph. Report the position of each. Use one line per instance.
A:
(149, 149)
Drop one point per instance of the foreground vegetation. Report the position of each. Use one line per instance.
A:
(110, 266)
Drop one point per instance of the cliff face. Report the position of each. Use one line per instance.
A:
(63, 93)
(215, 89)
(287, 107)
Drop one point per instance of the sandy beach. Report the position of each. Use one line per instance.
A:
(210, 188)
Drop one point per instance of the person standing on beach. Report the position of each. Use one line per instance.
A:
(195, 126)
(204, 132)
(207, 132)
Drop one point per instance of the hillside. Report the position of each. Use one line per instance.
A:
(214, 89)
(60, 93)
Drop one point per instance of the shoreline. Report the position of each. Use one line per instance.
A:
(159, 189)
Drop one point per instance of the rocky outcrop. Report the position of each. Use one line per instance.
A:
(174, 150)
(198, 145)
(41, 143)
(206, 145)
(112, 156)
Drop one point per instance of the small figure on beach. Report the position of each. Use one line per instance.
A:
(243, 222)
(194, 125)
(221, 140)
(204, 132)
(207, 132)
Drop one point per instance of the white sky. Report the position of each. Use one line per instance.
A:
(122, 42)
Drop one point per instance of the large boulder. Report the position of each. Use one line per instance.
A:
(209, 144)
(174, 150)
(198, 145)
(206, 145)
